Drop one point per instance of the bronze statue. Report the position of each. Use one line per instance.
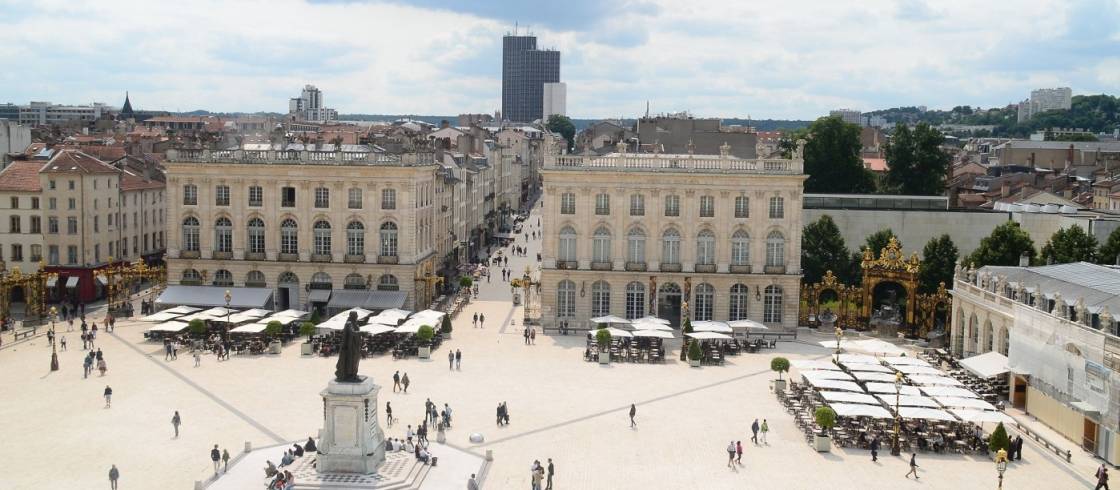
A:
(346, 370)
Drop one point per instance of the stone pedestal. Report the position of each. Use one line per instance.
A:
(351, 440)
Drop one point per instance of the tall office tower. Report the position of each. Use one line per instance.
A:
(525, 70)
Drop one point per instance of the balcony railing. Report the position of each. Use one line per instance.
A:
(320, 257)
(287, 257)
(708, 268)
(388, 259)
(354, 258)
(314, 157)
(255, 256)
(676, 163)
(222, 255)
(636, 266)
(740, 269)
(774, 269)
(567, 264)
(670, 267)
(602, 266)
(189, 254)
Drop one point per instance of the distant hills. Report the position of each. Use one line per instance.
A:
(1095, 113)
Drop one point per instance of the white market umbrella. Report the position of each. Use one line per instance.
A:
(650, 325)
(409, 327)
(872, 376)
(710, 326)
(809, 364)
(961, 402)
(860, 410)
(928, 379)
(374, 329)
(610, 320)
(936, 391)
(858, 359)
(652, 333)
(651, 318)
(182, 310)
(889, 389)
(848, 397)
(825, 374)
(751, 324)
(908, 400)
(924, 413)
(618, 333)
(981, 416)
(906, 361)
(919, 370)
(708, 336)
(162, 316)
(869, 368)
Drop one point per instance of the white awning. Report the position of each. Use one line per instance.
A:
(807, 364)
(162, 316)
(650, 325)
(833, 384)
(319, 295)
(72, 281)
(709, 335)
(169, 327)
(888, 388)
(1085, 406)
(615, 332)
(824, 374)
(859, 359)
(908, 400)
(391, 316)
(986, 365)
(981, 416)
(927, 379)
(962, 402)
(651, 318)
(653, 333)
(102, 279)
(751, 324)
(905, 361)
(948, 391)
(869, 376)
(710, 326)
(219, 312)
(918, 370)
(52, 281)
(183, 310)
(925, 414)
(874, 368)
(858, 410)
(376, 329)
(610, 320)
(250, 328)
(848, 397)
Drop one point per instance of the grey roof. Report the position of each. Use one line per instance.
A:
(1062, 145)
(1097, 284)
(210, 296)
(370, 300)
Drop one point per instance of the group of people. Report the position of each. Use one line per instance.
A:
(400, 382)
(530, 335)
(539, 474)
(282, 479)
(94, 358)
(503, 414)
(479, 320)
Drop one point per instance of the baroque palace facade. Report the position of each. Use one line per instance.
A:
(636, 234)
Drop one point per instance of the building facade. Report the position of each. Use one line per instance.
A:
(14, 137)
(555, 100)
(303, 223)
(1045, 99)
(21, 234)
(309, 106)
(850, 116)
(525, 71)
(652, 234)
(44, 113)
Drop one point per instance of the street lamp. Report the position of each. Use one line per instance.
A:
(229, 297)
(1001, 464)
(896, 449)
(839, 336)
(54, 348)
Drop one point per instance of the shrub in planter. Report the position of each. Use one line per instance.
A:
(315, 317)
(465, 282)
(687, 327)
(446, 326)
(694, 352)
(779, 365)
(603, 338)
(826, 418)
(273, 328)
(425, 334)
(197, 327)
(999, 439)
(307, 328)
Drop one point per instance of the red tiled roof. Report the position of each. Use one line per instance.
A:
(131, 182)
(21, 176)
(71, 160)
(875, 164)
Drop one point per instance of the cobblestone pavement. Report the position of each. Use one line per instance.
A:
(60, 437)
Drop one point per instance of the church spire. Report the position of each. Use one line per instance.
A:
(126, 110)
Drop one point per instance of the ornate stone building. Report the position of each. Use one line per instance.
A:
(653, 234)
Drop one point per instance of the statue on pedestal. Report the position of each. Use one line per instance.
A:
(346, 370)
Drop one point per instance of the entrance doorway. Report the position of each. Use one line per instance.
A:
(669, 303)
(288, 291)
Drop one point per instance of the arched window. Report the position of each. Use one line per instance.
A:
(567, 250)
(706, 248)
(775, 249)
(256, 236)
(635, 300)
(223, 277)
(191, 277)
(973, 335)
(388, 282)
(601, 245)
(255, 279)
(223, 236)
(190, 234)
(389, 239)
(1004, 340)
(289, 237)
(355, 238)
(287, 278)
(986, 338)
(671, 247)
(705, 297)
(322, 231)
(740, 248)
(738, 305)
(321, 279)
(354, 281)
(600, 298)
(772, 304)
(566, 299)
(636, 246)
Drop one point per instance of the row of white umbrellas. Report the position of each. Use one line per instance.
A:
(654, 323)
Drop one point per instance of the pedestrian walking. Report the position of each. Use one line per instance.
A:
(396, 381)
(764, 430)
(108, 396)
(388, 414)
(633, 412)
(197, 359)
(472, 484)
(101, 366)
(913, 466)
(481, 320)
(875, 450)
(87, 366)
(474, 322)
(731, 454)
(404, 382)
(532, 336)
(754, 432)
(525, 334)
(739, 452)
(114, 474)
(176, 421)
(225, 460)
(551, 471)
(62, 343)
(458, 359)
(216, 457)
(1102, 478)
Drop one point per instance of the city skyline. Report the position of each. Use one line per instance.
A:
(724, 61)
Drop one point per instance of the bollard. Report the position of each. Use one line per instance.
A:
(248, 446)
(489, 455)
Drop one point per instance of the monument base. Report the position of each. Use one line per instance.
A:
(351, 440)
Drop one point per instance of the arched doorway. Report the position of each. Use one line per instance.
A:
(16, 295)
(828, 300)
(669, 303)
(888, 300)
(287, 290)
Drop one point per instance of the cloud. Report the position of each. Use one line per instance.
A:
(715, 58)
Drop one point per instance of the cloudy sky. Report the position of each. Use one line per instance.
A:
(789, 59)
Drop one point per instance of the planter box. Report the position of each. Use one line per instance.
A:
(189, 254)
(306, 349)
(694, 362)
(320, 257)
(774, 269)
(822, 443)
(287, 257)
(779, 385)
(604, 357)
(601, 266)
(222, 255)
(424, 352)
(274, 347)
(446, 335)
(667, 267)
(354, 259)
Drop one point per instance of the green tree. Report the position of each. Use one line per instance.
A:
(694, 352)
(826, 419)
(1111, 249)
(1070, 245)
(832, 158)
(917, 165)
(307, 328)
(273, 328)
(197, 327)
(999, 439)
(445, 327)
(939, 259)
(823, 249)
(1002, 247)
(563, 125)
(424, 334)
(878, 241)
(603, 338)
(779, 365)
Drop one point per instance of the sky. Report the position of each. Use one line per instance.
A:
(794, 59)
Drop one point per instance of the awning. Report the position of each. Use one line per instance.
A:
(833, 384)
(375, 329)
(653, 333)
(905, 361)
(931, 380)
(806, 364)
(908, 400)
(162, 316)
(102, 279)
(319, 295)
(936, 391)
(871, 368)
(1085, 406)
(986, 365)
(171, 326)
(962, 402)
(824, 374)
(918, 370)
(847, 397)
(708, 335)
(872, 376)
(52, 281)
(72, 282)
(251, 328)
(924, 413)
(889, 389)
(370, 300)
(981, 416)
(857, 410)
(211, 296)
(859, 359)
(710, 326)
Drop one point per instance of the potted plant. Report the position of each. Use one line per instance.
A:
(316, 318)
(694, 353)
(445, 327)
(197, 328)
(603, 338)
(687, 326)
(424, 337)
(999, 440)
(308, 329)
(465, 283)
(826, 419)
(272, 329)
(779, 365)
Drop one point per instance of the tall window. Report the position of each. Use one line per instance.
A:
(601, 245)
(636, 245)
(568, 203)
(288, 197)
(355, 238)
(389, 239)
(602, 204)
(14, 224)
(223, 235)
(777, 208)
(600, 298)
(322, 197)
(190, 234)
(190, 195)
(388, 199)
(742, 207)
(256, 236)
(737, 307)
(705, 297)
(775, 249)
(191, 277)
(71, 226)
(223, 277)
(289, 237)
(672, 205)
(635, 300)
(322, 232)
(354, 281)
(567, 251)
(52, 255)
(566, 299)
(256, 196)
(52, 225)
(388, 282)
(671, 247)
(354, 198)
(706, 248)
(637, 205)
(221, 198)
(255, 279)
(772, 306)
(321, 280)
(71, 254)
(707, 206)
(740, 248)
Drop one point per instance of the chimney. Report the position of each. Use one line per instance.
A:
(1005, 189)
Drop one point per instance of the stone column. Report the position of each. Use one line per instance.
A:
(351, 440)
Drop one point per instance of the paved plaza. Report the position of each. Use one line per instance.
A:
(59, 436)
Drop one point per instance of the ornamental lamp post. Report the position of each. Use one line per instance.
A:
(229, 297)
(54, 348)
(839, 336)
(896, 448)
(1001, 465)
